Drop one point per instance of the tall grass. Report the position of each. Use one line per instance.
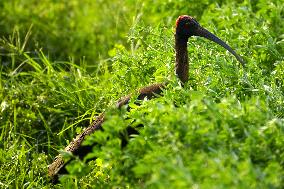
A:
(224, 129)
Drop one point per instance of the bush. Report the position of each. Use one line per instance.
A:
(224, 129)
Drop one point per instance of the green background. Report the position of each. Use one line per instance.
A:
(63, 62)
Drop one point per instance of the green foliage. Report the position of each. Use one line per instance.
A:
(86, 30)
(224, 129)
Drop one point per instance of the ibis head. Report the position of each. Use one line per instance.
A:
(187, 26)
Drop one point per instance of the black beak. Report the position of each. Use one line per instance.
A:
(202, 32)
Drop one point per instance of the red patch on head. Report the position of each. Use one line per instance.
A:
(182, 17)
(179, 19)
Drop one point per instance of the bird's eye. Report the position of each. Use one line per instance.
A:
(187, 25)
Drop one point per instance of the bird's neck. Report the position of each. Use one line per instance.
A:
(181, 66)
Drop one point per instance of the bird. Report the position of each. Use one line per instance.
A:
(185, 27)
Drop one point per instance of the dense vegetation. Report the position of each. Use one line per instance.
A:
(63, 62)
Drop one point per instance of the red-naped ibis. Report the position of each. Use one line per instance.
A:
(186, 26)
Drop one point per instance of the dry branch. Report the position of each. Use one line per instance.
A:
(58, 163)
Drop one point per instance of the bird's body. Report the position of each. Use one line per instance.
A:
(186, 26)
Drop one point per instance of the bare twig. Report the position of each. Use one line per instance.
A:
(76, 145)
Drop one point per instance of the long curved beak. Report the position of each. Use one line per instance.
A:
(202, 32)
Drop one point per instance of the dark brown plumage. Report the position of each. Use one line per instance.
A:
(186, 27)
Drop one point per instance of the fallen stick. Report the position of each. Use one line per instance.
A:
(75, 146)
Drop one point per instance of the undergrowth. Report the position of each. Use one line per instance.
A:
(224, 129)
